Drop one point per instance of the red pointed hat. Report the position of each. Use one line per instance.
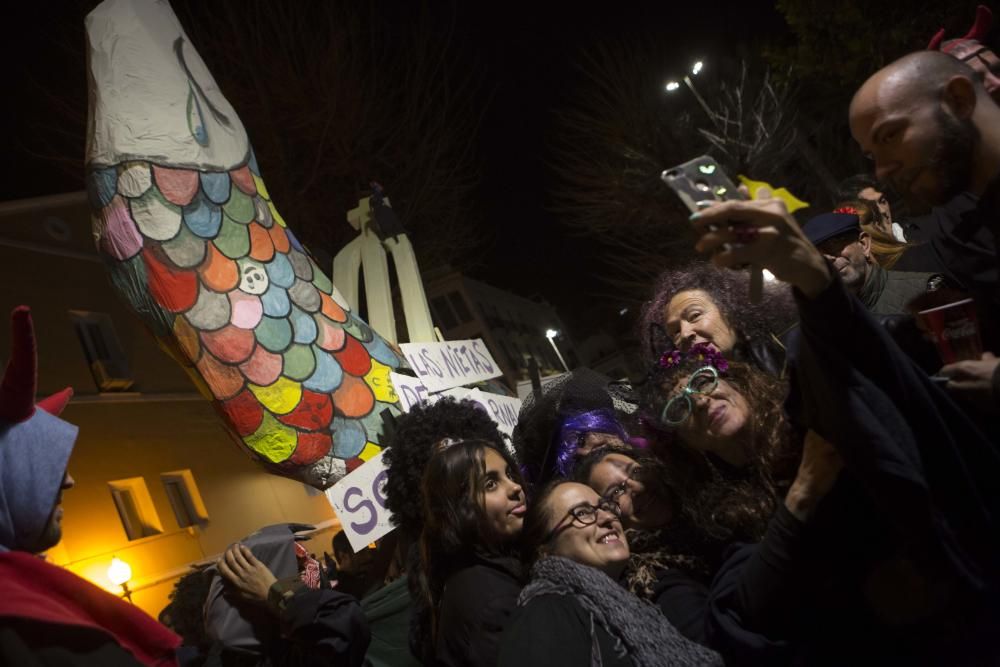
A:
(979, 30)
(17, 388)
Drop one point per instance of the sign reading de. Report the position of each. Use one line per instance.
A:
(410, 390)
(359, 501)
(451, 363)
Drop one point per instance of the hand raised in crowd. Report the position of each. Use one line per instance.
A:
(973, 380)
(821, 465)
(242, 569)
(761, 233)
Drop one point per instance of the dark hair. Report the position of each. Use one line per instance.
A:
(455, 522)
(341, 545)
(849, 188)
(728, 289)
(535, 529)
(412, 445)
(583, 469)
(723, 504)
(184, 614)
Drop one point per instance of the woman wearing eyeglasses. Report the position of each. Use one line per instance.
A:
(722, 434)
(473, 512)
(574, 612)
(665, 565)
(819, 581)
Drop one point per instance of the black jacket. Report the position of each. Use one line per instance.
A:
(318, 628)
(30, 643)
(902, 560)
(961, 236)
(475, 609)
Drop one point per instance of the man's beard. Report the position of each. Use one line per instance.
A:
(950, 164)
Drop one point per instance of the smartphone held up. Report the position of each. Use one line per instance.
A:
(700, 183)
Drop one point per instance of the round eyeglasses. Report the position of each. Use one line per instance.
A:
(702, 382)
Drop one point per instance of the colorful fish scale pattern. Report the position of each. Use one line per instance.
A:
(207, 260)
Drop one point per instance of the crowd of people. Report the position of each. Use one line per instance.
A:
(799, 481)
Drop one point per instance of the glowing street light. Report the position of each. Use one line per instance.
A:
(695, 70)
(120, 573)
(551, 335)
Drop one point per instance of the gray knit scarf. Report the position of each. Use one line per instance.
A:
(640, 631)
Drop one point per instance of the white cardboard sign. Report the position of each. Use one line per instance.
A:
(359, 501)
(410, 391)
(502, 409)
(451, 363)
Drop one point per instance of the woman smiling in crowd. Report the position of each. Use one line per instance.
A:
(664, 566)
(574, 612)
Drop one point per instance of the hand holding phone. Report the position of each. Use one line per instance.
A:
(700, 183)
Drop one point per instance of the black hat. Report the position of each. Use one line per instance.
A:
(828, 225)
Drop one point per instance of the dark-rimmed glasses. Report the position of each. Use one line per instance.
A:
(619, 489)
(585, 514)
(702, 382)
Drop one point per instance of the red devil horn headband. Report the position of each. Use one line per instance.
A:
(979, 29)
(17, 389)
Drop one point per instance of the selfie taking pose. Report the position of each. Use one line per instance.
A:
(919, 466)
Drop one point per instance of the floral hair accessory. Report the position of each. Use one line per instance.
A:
(670, 359)
(704, 353)
(847, 209)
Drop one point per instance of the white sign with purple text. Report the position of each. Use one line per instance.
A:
(359, 501)
(451, 363)
(502, 409)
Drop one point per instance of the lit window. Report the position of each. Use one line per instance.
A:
(135, 508)
(184, 497)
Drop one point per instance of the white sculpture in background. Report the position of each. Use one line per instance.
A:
(380, 230)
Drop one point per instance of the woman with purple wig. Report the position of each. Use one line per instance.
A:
(573, 416)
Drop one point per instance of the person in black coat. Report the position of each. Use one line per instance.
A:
(470, 576)
(923, 474)
(269, 603)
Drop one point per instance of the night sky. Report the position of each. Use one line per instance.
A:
(530, 55)
(527, 54)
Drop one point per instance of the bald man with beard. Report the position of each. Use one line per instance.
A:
(933, 132)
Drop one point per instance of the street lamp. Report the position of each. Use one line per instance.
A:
(120, 573)
(551, 335)
(695, 70)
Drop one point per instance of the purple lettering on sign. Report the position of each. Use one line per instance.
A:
(364, 527)
(378, 487)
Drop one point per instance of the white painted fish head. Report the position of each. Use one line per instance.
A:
(151, 95)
